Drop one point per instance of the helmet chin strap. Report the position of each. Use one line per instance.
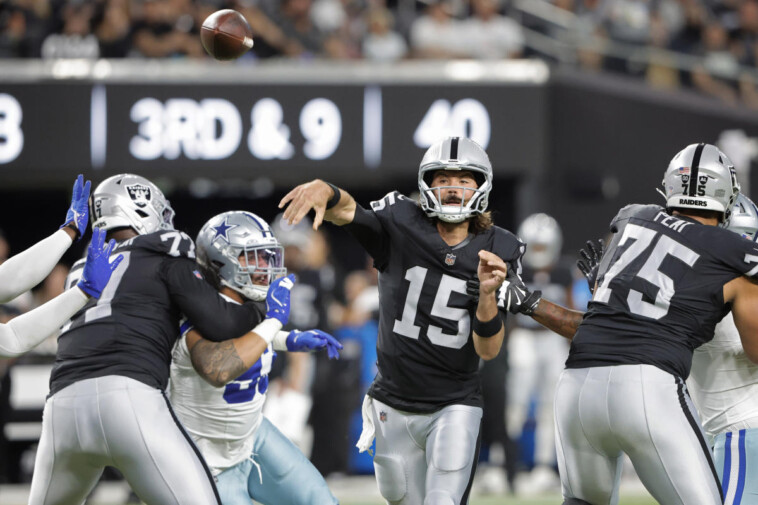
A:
(458, 218)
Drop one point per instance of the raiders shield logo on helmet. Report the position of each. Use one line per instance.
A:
(139, 194)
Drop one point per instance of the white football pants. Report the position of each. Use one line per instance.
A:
(639, 410)
(120, 422)
(426, 459)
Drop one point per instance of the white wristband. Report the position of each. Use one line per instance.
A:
(280, 340)
(268, 329)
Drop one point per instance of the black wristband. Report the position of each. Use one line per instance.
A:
(336, 198)
(489, 328)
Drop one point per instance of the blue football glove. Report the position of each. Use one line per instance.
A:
(312, 340)
(98, 269)
(278, 299)
(78, 213)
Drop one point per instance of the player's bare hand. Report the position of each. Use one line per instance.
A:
(311, 195)
(491, 272)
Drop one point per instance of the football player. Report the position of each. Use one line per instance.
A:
(425, 405)
(107, 405)
(28, 268)
(218, 388)
(535, 355)
(723, 384)
(668, 277)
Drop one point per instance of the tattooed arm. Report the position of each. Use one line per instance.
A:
(221, 362)
(559, 319)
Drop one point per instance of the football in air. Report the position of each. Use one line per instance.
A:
(226, 35)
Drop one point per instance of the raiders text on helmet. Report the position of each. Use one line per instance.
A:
(744, 220)
(129, 200)
(226, 238)
(701, 177)
(455, 153)
(543, 238)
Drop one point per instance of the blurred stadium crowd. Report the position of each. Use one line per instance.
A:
(708, 45)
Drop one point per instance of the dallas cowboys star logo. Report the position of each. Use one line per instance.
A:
(222, 230)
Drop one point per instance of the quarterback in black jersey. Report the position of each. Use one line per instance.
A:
(107, 405)
(667, 277)
(425, 404)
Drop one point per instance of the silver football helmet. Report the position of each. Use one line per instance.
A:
(744, 220)
(454, 153)
(700, 176)
(544, 240)
(241, 249)
(129, 200)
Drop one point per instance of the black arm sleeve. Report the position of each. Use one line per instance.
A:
(212, 316)
(367, 229)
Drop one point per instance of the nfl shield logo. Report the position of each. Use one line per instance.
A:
(450, 259)
(139, 193)
(382, 416)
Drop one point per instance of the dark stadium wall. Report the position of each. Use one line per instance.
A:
(611, 141)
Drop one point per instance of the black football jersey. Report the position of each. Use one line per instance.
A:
(426, 357)
(132, 328)
(555, 285)
(660, 290)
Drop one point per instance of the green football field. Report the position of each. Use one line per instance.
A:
(542, 500)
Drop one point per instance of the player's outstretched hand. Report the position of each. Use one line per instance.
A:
(278, 299)
(312, 340)
(77, 216)
(311, 195)
(98, 268)
(588, 264)
(491, 272)
(516, 297)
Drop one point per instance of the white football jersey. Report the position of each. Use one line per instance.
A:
(724, 382)
(222, 420)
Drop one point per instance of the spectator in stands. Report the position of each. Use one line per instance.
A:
(114, 30)
(717, 74)
(490, 35)
(159, 34)
(76, 39)
(437, 34)
(23, 26)
(661, 71)
(627, 20)
(294, 19)
(381, 43)
(745, 36)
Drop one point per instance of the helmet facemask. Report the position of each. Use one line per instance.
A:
(455, 154)
(241, 250)
(473, 201)
(256, 269)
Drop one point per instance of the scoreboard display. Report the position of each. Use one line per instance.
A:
(357, 132)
